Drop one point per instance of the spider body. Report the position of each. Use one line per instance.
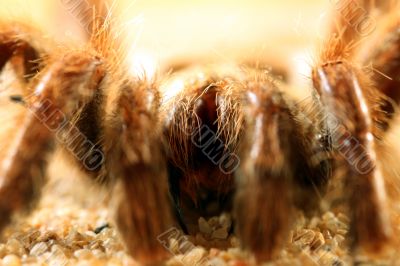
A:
(206, 140)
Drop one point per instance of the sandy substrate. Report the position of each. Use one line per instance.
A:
(68, 228)
(57, 234)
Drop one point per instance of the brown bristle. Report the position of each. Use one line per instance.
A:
(342, 87)
(48, 108)
(18, 46)
(135, 160)
(382, 57)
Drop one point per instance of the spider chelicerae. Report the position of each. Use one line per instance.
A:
(209, 139)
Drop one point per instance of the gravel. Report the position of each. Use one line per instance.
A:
(70, 227)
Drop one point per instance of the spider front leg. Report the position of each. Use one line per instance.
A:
(264, 196)
(381, 53)
(18, 46)
(135, 159)
(66, 84)
(278, 169)
(345, 93)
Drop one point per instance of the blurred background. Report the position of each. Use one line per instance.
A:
(282, 33)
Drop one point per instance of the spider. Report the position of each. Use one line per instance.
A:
(207, 139)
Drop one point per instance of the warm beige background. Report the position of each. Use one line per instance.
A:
(283, 32)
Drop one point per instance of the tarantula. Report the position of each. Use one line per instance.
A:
(207, 139)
